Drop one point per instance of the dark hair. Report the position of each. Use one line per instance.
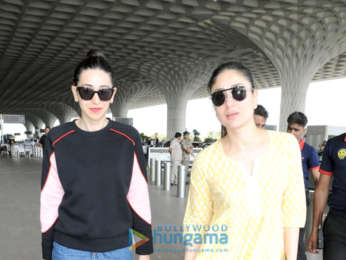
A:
(297, 118)
(261, 111)
(186, 133)
(177, 134)
(94, 59)
(231, 66)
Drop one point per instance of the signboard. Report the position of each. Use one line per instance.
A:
(162, 154)
(14, 119)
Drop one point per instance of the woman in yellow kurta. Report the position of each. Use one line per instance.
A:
(246, 198)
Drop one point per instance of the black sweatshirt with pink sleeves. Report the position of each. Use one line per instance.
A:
(94, 189)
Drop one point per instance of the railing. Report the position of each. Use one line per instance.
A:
(26, 151)
(160, 176)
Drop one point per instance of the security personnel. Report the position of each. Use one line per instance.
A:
(296, 125)
(333, 164)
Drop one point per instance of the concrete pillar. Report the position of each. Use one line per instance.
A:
(36, 121)
(293, 93)
(297, 47)
(177, 82)
(119, 108)
(176, 113)
(48, 118)
(63, 112)
(30, 127)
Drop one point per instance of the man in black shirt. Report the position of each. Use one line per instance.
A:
(43, 137)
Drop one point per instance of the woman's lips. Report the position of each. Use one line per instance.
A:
(95, 109)
(231, 116)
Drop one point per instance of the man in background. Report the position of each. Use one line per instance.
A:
(176, 156)
(297, 122)
(334, 227)
(42, 141)
(260, 116)
(187, 147)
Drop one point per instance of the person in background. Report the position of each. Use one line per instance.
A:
(176, 156)
(321, 148)
(260, 116)
(296, 125)
(250, 181)
(156, 140)
(44, 136)
(187, 147)
(334, 227)
(94, 188)
(11, 148)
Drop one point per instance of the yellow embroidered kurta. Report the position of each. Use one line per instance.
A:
(255, 209)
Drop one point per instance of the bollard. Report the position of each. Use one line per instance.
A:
(158, 172)
(181, 181)
(167, 177)
(152, 170)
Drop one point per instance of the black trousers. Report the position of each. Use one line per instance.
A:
(334, 233)
(301, 245)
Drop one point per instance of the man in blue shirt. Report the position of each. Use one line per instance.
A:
(334, 227)
(296, 124)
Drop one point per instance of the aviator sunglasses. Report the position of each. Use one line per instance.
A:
(86, 93)
(238, 93)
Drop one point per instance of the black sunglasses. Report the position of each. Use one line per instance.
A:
(238, 93)
(86, 93)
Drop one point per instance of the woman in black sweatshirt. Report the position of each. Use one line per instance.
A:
(94, 189)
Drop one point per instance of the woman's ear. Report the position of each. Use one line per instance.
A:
(74, 92)
(255, 95)
(115, 91)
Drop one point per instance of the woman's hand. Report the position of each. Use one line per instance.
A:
(144, 257)
(291, 237)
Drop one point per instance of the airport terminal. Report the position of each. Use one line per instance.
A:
(160, 52)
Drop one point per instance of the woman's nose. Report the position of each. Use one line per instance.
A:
(228, 98)
(96, 98)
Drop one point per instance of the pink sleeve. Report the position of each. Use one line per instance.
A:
(138, 194)
(51, 196)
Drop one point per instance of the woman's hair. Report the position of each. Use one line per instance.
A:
(94, 60)
(231, 66)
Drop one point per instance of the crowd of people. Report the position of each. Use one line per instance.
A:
(8, 144)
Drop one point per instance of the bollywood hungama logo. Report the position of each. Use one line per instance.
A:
(143, 240)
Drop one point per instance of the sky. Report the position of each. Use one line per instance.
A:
(325, 105)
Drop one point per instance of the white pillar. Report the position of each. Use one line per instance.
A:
(295, 83)
(119, 109)
(30, 127)
(176, 114)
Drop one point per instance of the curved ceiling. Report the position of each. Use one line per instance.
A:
(155, 47)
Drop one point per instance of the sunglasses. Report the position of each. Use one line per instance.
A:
(238, 93)
(104, 94)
